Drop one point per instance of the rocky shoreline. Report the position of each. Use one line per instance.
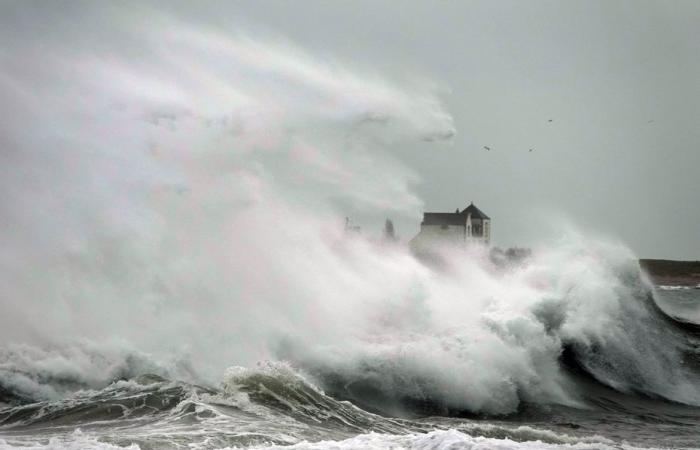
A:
(672, 273)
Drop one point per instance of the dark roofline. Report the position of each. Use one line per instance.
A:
(455, 218)
(475, 212)
(431, 218)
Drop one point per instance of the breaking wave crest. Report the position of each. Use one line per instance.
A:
(524, 335)
(527, 340)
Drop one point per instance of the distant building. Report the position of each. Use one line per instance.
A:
(459, 228)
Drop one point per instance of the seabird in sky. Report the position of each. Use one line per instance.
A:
(487, 148)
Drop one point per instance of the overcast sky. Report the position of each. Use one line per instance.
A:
(620, 81)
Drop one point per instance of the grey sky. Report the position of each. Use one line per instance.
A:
(619, 79)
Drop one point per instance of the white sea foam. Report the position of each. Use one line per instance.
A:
(444, 440)
(664, 287)
(435, 440)
(72, 441)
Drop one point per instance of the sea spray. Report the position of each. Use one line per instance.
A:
(185, 206)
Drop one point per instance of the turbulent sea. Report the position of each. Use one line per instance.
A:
(273, 405)
(175, 273)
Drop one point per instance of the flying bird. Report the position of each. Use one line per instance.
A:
(550, 120)
(487, 148)
(531, 149)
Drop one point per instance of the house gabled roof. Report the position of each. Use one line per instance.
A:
(455, 218)
(475, 212)
(444, 219)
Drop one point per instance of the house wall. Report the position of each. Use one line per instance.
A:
(481, 230)
(477, 227)
(484, 231)
(449, 233)
(430, 235)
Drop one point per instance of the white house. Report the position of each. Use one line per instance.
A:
(459, 228)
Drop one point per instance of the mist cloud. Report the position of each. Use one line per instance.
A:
(143, 190)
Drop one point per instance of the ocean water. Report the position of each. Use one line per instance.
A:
(279, 404)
